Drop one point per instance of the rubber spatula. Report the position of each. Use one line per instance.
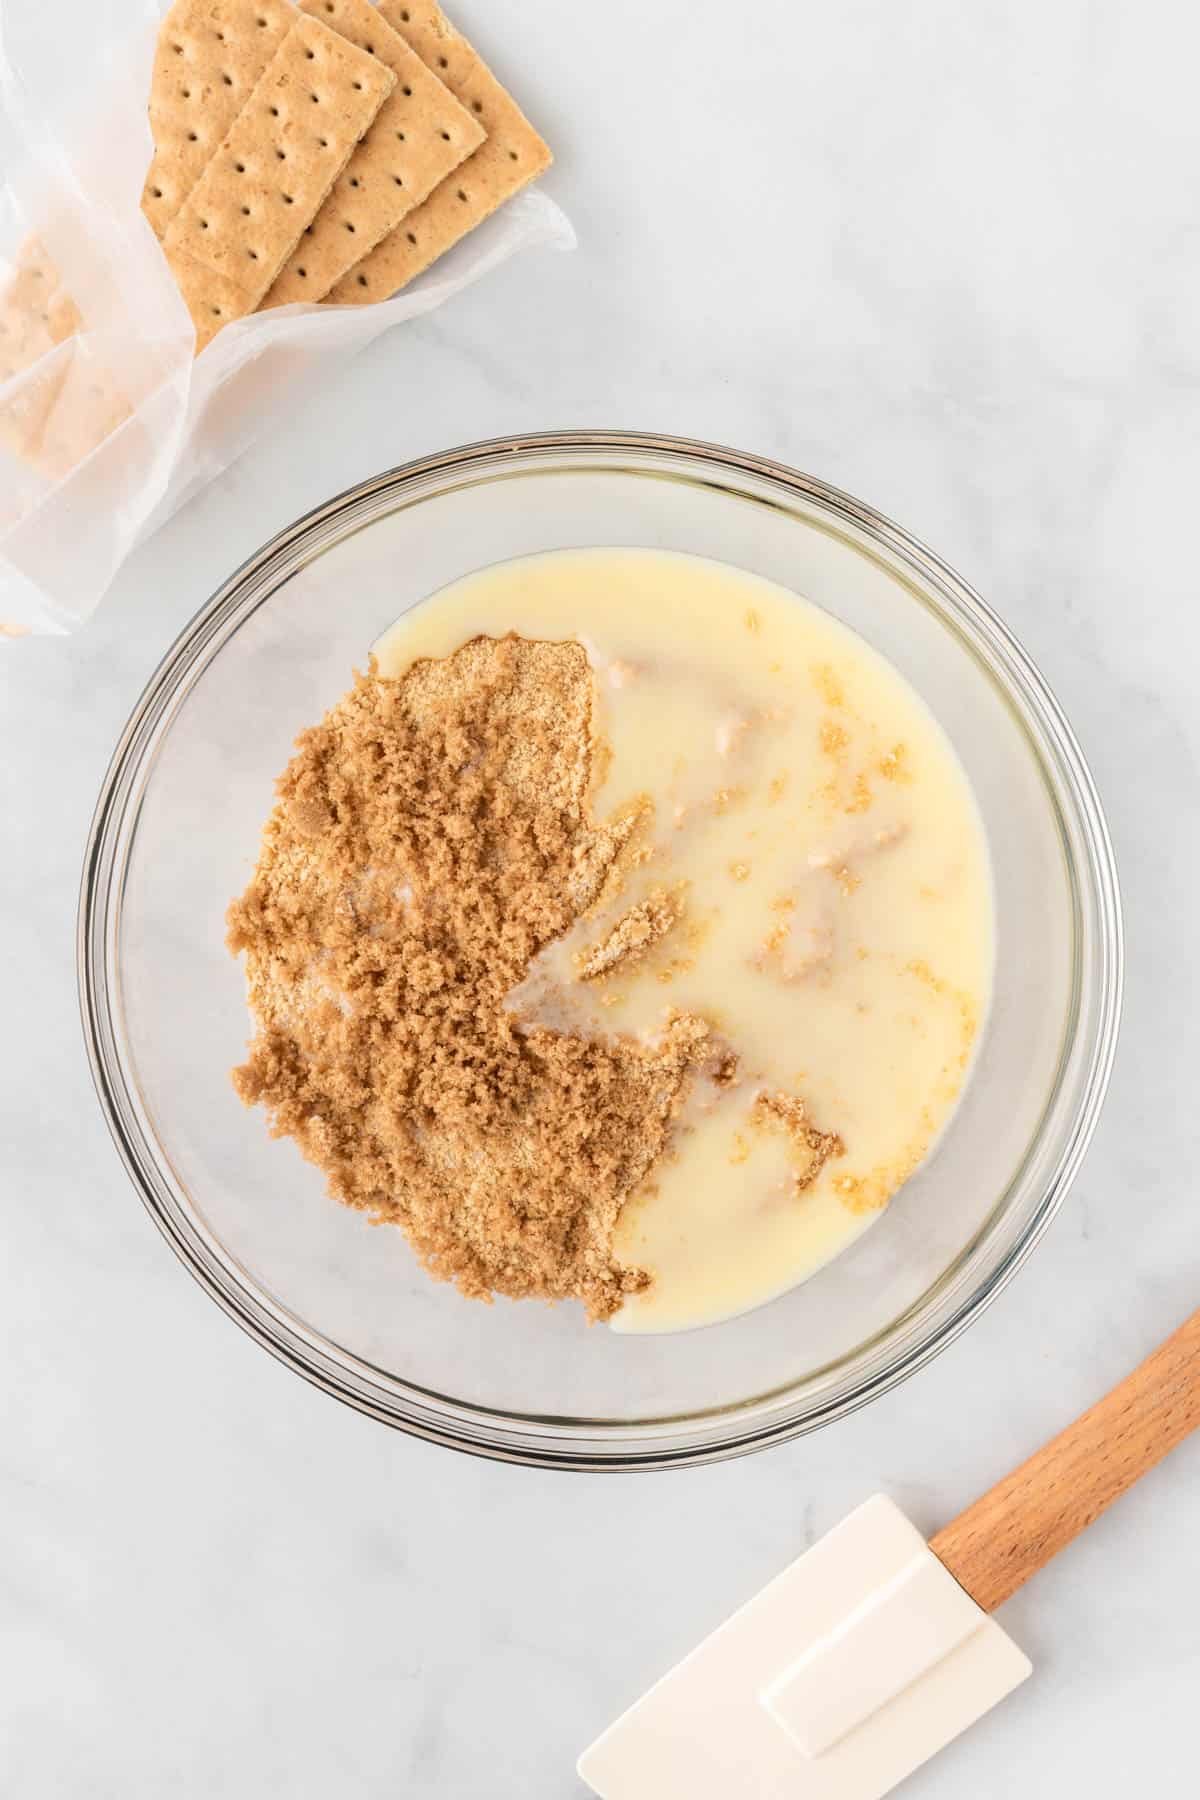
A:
(875, 1649)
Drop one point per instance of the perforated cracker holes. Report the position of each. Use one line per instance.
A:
(420, 135)
(511, 156)
(210, 55)
(284, 151)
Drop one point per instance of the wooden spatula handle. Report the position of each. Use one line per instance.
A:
(1015, 1528)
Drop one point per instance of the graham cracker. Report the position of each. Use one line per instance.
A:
(23, 415)
(210, 55)
(36, 315)
(89, 406)
(511, 156)
(212, 300)
(279, 159)
(420, 136)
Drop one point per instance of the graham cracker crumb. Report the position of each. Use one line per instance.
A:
(828, 685)
(630, 938)
(894, 764)
(815, 1147)
(860, 798)
(430, 836)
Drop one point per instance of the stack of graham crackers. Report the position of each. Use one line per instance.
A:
(328, 151)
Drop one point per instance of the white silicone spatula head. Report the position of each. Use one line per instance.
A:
(855, 1665)
(875, 1649)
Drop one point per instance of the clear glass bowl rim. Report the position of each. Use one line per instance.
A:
(873, 1368)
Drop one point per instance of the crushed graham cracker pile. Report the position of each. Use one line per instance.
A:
(430, 836)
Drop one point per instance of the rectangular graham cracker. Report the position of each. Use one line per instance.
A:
(36, 312)
(36, 315)
(420, 136)
(511, 155)
(210, 54)
(88, 408)
(279, 160)
(212, 300)
(60, 416)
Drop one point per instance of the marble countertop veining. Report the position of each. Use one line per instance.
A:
(948, 258)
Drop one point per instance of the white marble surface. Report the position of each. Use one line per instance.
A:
(947, 257)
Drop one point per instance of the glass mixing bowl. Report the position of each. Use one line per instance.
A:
(176, 834)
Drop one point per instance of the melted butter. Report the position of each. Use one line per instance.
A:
(805, 824)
